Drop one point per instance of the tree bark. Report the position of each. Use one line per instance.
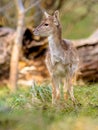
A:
(34, 49)
(88, 53)
(87, 50)
(17, 47)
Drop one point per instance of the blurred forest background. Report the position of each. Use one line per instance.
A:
(79, 18)
(79, 22)
(22, 66)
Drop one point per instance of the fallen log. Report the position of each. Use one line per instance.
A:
(6, 44)
(34, 48)
(88, 53)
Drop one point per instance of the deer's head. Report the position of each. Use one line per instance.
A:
(48, 25)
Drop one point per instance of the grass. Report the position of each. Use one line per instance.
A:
(31, 109)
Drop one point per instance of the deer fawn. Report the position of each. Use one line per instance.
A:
(61, 60)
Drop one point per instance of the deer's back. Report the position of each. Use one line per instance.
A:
(70, 51)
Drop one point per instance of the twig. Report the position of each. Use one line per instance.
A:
(32, 5)
(7, 6)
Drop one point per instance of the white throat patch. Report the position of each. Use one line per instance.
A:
(55, 49)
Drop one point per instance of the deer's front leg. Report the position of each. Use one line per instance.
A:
(55, 89)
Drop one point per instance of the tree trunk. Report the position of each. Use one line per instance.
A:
(17, 47)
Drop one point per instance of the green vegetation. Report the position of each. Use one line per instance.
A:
(31, 109)
(77, 23)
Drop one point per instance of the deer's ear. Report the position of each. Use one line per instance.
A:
(56, 17)
(46, 14)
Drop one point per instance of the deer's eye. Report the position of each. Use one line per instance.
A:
(46, 24)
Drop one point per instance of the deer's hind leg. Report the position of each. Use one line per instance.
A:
(70, 91)
(68, 88)
(73, 76)
(65, 89)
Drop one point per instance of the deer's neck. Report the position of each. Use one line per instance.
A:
(55, 43)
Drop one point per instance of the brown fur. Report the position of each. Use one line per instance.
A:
(61, 60)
